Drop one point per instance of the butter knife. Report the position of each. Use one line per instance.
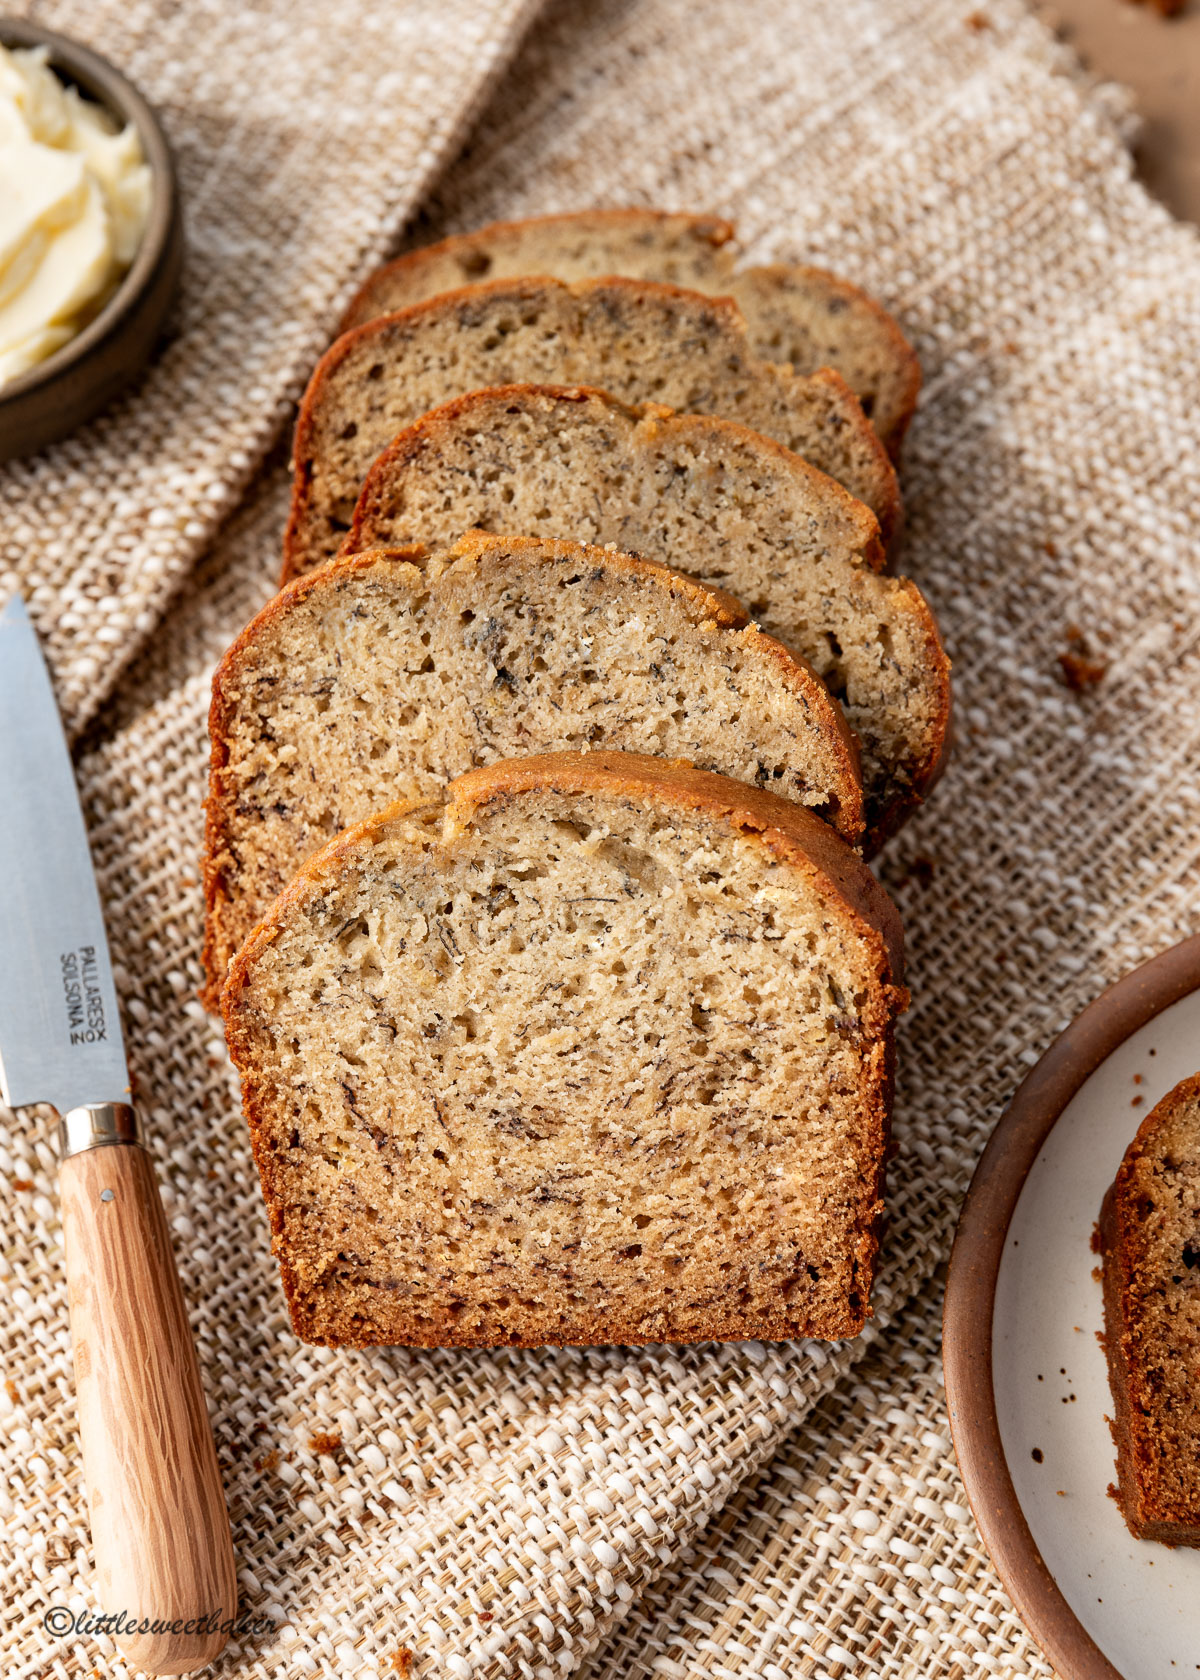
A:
(160, 1530)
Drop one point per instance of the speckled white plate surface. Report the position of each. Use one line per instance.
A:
(1029, 1412)
(1139, 1601)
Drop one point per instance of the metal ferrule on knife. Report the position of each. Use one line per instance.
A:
(92, 1125)
(160, 1529)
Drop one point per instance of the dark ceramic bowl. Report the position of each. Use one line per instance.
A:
(84, 376)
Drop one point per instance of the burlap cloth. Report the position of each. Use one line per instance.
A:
(720, 1511)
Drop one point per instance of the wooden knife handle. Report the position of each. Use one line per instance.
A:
(160, 1530)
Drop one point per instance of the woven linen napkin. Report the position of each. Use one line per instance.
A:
(744, 1510)
(852, 1553)
(304, 132)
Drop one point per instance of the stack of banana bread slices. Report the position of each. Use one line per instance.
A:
(561, 993)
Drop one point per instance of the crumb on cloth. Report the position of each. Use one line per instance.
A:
(1078, 670)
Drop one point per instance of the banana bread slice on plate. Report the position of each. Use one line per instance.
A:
(642, 341)
(1150, 1240)
(385, 674)
(714, 498)
(599, 1049)
(795, 313)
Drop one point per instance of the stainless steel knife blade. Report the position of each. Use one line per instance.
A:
(160, 1528)
(60, 1033)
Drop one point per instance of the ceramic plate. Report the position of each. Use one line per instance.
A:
(1025, 1374)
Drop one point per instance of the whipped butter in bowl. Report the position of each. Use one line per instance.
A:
(74, 202)
(90, 237)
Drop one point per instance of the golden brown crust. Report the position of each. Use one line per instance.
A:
(471, 253)
(216, 812)
(239, 1039)
(385, 332)
(429, 437)
(1122, 1236)
(906, 367)
(716, 605)
(427, 434)
(784, 830)
(782, 827)
(710, 230)
(315, 1321)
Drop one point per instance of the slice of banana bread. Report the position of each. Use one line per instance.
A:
(641, 341)
(714, 498)
(1150, 1240)
(601, 1051)
(794, 313)
(385, 674)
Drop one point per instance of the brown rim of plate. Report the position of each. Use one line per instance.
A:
(971, 1287)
